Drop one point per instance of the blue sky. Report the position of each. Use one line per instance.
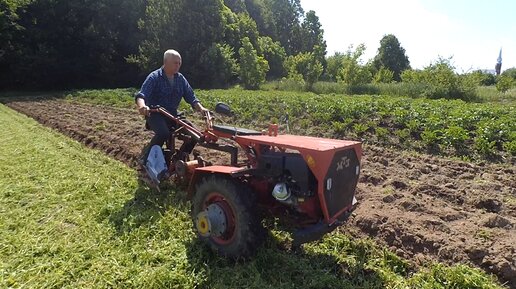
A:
(471, 31)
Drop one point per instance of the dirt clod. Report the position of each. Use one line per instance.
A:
(490, 205)
(497, 221)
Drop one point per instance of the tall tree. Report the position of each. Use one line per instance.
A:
(237, 6)
(189, 26)
(76, 43)
(275, 54)
(287, 15)
(262, 14)
(313, 34)
(391, 56)
(218, 67)
(253, 67)
(95, 43)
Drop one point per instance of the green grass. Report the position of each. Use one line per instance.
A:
(328, 87)
(401, 89)
(490, 94)
(70, 217)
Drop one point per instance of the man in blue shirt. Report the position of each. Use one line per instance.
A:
(165, 87)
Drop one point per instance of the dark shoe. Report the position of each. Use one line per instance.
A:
(142, 160)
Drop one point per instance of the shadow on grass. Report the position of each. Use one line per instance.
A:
(275, 266)
(146, 207)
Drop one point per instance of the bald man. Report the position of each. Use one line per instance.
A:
(164, 87)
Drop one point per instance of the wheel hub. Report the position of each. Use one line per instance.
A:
(212, 221)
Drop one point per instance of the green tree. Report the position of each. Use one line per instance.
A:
(352, 71)
(238, 26)
(75, 43)
(504, 83)
(391, 56)
(218, 66)
(82, 43)
(253, 68)
(334, 65)
(478, 77)
(9, 31)
(313, 36)
(384, 75)
(510, 72)
(275, 55)
(263, 16)
(238, 6)
(304, 67)
(166, 25)
(287, 15)
(441, 81)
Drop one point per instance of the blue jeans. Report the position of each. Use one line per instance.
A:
(161, 126)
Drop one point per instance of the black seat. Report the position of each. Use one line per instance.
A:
(235, 130)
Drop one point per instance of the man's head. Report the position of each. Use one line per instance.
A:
(171, 61)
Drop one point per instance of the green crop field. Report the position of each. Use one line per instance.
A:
(471, 131)
(71, 217)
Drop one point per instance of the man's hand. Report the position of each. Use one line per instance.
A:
(144, 110)
(200, 108)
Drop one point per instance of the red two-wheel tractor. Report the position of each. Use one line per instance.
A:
(308, 182)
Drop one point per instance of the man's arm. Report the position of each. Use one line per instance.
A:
(145, 91)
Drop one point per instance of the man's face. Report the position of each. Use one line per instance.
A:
(172, 64)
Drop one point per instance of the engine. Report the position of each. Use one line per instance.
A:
(293, 179)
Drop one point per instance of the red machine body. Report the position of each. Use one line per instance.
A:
(310, 181)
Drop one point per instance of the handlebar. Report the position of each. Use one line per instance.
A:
(195, 133)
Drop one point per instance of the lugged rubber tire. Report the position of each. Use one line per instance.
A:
(248, 233)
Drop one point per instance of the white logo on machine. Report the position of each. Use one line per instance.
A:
(343, 163)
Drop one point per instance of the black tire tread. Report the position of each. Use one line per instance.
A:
(250, 232)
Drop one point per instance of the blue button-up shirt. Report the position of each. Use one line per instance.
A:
(156, 90)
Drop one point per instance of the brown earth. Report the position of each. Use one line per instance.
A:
(422, 207)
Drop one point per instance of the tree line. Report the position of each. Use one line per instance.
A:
(56, 44)
(109, 43)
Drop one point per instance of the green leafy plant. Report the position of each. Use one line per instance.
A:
(473, 130)
(504, 83)
(252, 67)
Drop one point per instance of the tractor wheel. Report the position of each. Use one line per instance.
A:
(225, 217)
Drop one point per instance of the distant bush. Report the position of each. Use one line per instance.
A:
(480, 78)
(384, 75)
(511, 72)
(504, 83)
(285, 84)
(413, 90)
(352, 71)
(304, 68)
(441, 81)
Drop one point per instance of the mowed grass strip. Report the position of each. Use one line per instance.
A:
(70, 217)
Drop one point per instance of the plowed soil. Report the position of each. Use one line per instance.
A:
(422, 207)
